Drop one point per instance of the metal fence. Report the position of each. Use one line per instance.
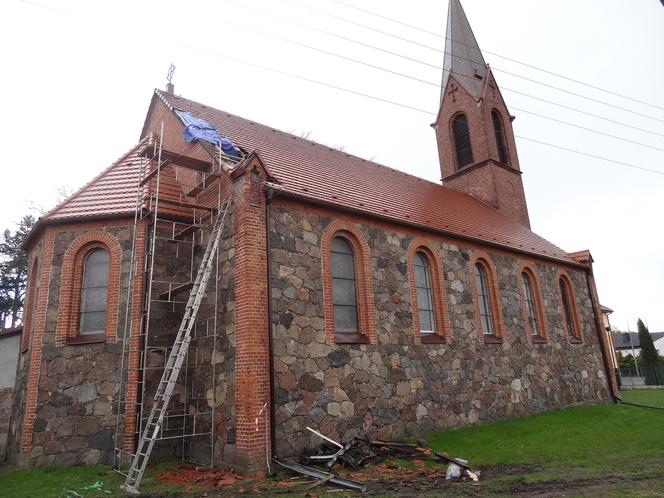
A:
(641, 376)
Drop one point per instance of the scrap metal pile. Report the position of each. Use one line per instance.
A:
(359, 452)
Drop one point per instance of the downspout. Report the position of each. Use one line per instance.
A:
(269, 193)
(595, 306)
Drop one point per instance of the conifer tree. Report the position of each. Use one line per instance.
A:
(13, 272)
(649, 355)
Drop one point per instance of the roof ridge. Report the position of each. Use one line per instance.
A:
(105, 171)
(164, 98)
(529, 240)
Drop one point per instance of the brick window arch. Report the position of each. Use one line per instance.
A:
(499, 132)
(461, 136)
(533, 310)
(430, 320)
(347, 286)
(30, 303)
(570, 314)
(488, 310)
(90, 269)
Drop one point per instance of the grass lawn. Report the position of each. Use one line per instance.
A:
(604, 450)
(644, 396)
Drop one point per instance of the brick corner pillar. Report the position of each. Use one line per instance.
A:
(35, 354)
(252, 348)
(606, 349)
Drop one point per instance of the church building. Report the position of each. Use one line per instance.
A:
(341, 295)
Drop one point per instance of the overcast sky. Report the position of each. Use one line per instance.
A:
(77, 77)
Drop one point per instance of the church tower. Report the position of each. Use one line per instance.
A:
(476, 143)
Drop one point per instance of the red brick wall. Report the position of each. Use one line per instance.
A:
(486, 179)
(252, 357)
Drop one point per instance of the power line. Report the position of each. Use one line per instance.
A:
(310, 80)
(355, 23)
(335, 35)
(406, 106)
(434, 66)
(629, 165)
(380, 68)
(567, 123)
(531, 66)
(581, 112)
(579, 95)
(333, 54)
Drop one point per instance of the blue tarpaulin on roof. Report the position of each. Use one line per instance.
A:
(199, 129)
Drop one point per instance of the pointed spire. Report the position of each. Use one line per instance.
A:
(463, 58)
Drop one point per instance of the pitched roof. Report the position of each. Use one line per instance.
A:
(622, 340)
(112, 192)
(462, 53)
(316, 172)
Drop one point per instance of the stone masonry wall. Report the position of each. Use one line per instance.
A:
(22, 370)
(6, 398)
(398, 387)
(74, 419)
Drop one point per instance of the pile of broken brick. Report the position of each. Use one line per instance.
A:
(359, 452)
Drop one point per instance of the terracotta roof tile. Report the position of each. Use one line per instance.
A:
(111, 192)
(317, 172)
(311, 170)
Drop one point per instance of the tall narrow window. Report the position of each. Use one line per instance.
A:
(484, 298)
(94, 291)
(461, 134)
(500, 137)
(531, 311)
(424, 293)
(344, 288)
(565, 296)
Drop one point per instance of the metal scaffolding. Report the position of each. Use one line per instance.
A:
(171, 239)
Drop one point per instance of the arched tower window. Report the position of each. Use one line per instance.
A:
(461, 133)
(499, 131)
(94, 293)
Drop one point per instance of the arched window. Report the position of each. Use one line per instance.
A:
(430, 324)
(531, 307)
(90, 289)
(94, 293)
(484, 300)
(347, 285)
(499, 131)
(344, 288)
(569, 316)
(424, 292)
(464, 151)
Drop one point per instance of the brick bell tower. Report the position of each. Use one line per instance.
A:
(476, 143)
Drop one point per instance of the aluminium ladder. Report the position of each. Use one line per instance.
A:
(175, 360)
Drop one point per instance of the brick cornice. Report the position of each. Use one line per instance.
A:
(477, 165)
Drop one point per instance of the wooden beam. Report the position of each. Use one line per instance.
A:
(179, 160)
(188, 205)
(154, 172)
